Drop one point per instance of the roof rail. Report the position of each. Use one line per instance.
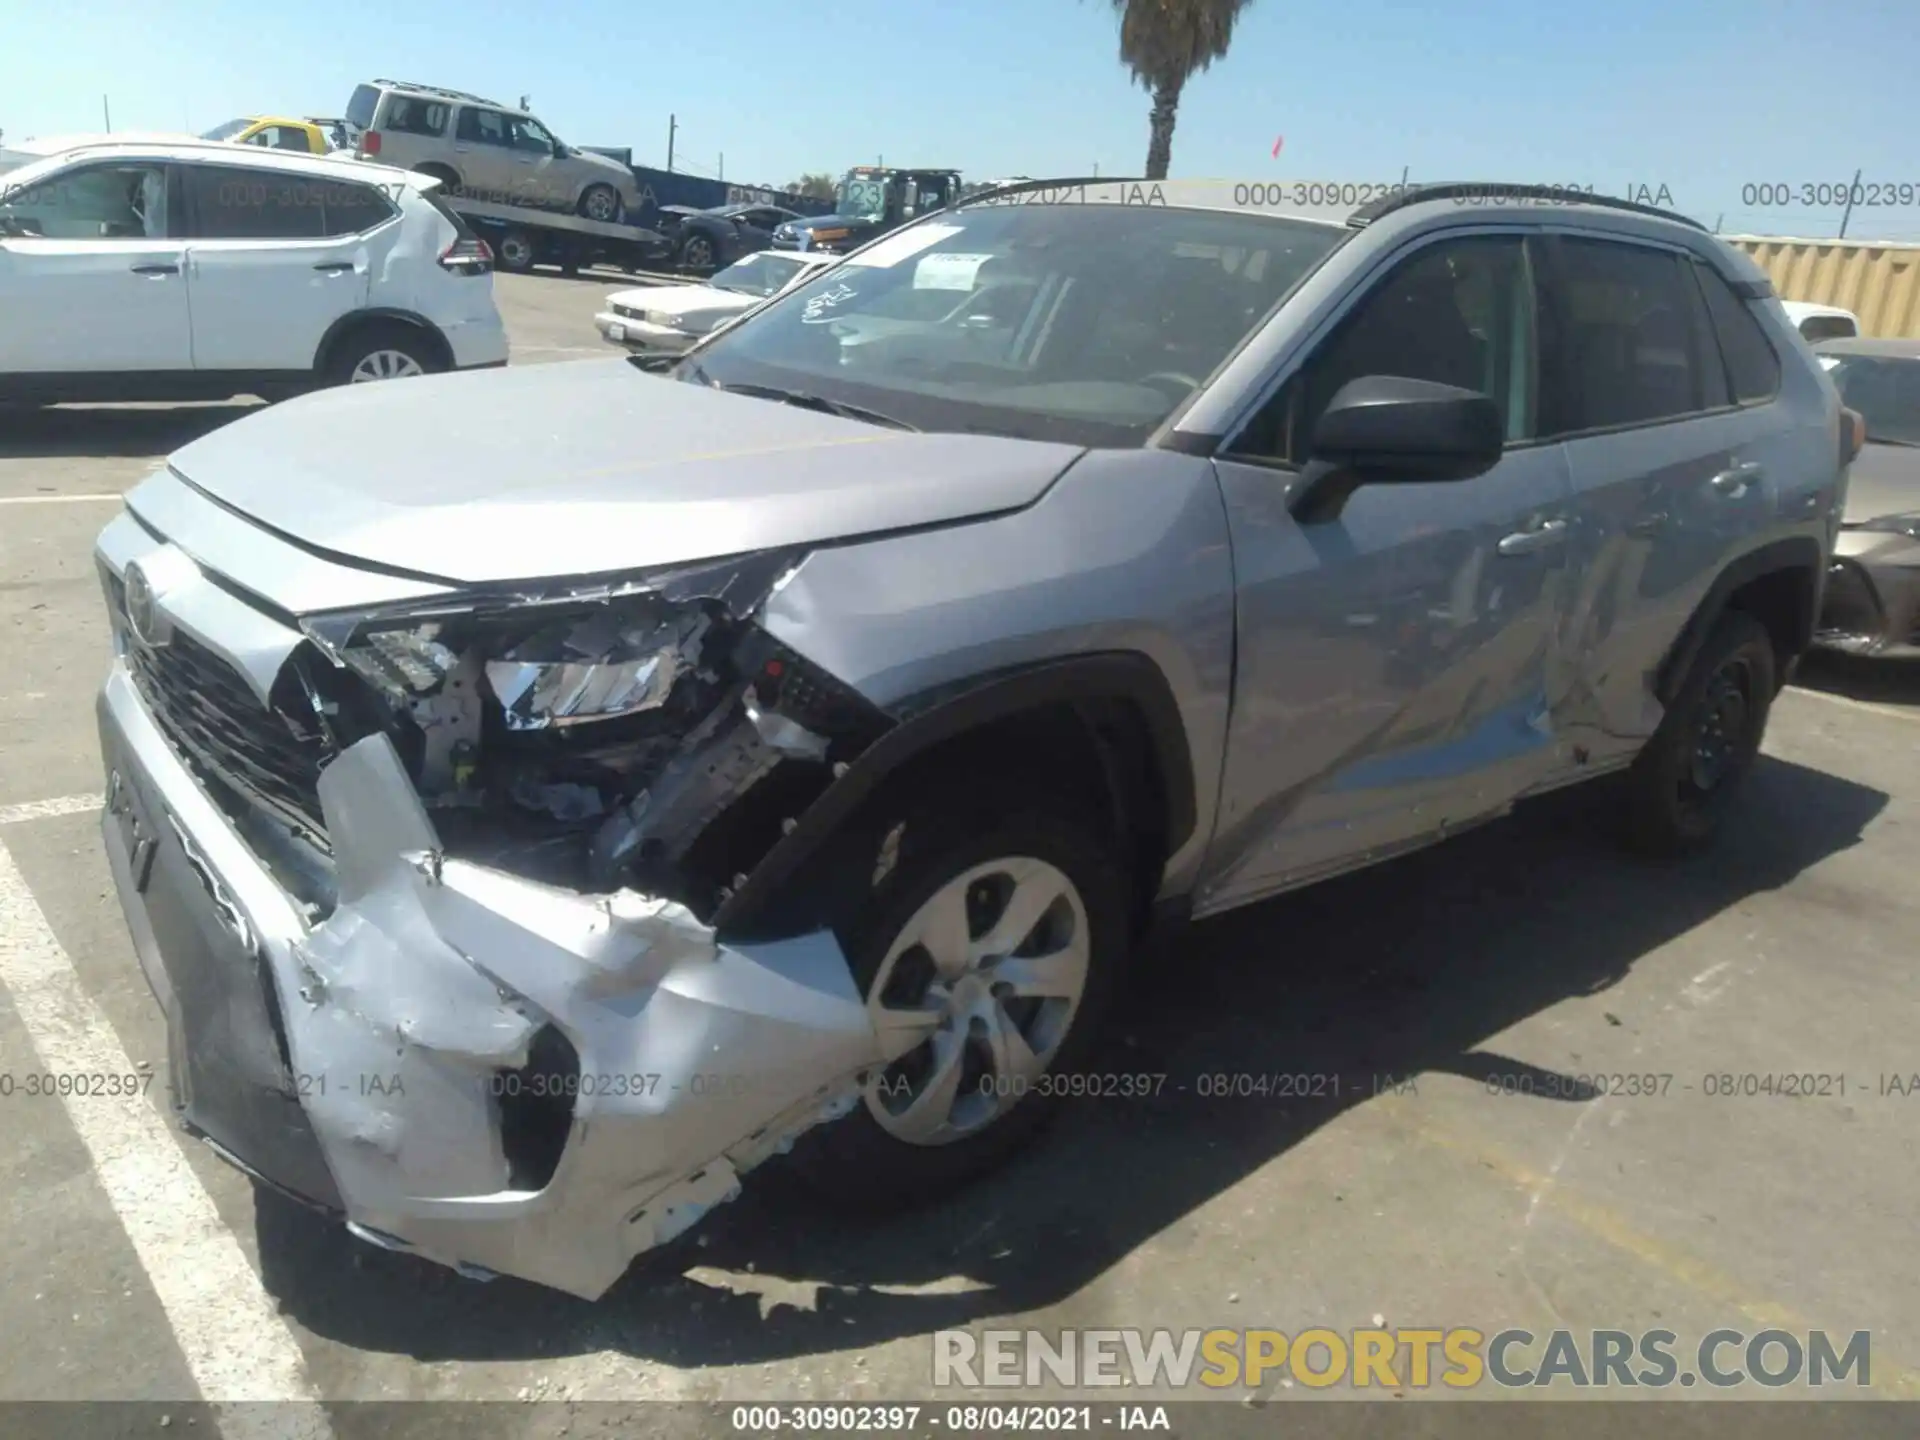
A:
(443, 92)
(1493, 192)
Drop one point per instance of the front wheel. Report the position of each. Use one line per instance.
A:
(1678, 790)
(987, 946)
(600, 202)
(696, 254)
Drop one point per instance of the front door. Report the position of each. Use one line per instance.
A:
(92, 273)
(1401, 664)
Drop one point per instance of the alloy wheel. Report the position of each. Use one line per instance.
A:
(385, 365)
(974, 998)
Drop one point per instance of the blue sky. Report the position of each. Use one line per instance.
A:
(1703, 97)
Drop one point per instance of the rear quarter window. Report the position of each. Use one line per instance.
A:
(1752, 366)
(360, 108)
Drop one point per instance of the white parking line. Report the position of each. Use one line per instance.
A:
(89, 498)
(1847, 700)
(47, 809)
(235, 1344)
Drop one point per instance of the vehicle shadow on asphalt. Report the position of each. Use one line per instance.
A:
(1405, 970)
(103, 430)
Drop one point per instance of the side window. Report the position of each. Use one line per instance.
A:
(1628, 352)
(94, 202)
(349, 209)
(263, 138)
(1459, 312)
(285, 137)
(530, 134)
(484, 127)
(230, 203)
(414, 115)
(1752, 365)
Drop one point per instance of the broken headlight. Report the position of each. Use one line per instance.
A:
(547, 664)
(595, 667)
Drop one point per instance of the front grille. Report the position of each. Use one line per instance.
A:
(213, 718)
(630, 312)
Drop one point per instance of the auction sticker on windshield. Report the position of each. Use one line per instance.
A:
(948, 272)
(905, 245)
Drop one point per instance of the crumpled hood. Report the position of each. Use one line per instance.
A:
(588, 468)
(1883, 480)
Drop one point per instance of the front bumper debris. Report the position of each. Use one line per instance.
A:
(396, 1060)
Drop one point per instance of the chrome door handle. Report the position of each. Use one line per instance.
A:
(1733, 483)
(1526, 542)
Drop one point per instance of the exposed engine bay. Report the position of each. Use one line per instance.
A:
(646, 735)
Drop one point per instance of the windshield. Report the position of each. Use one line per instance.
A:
(1885, 390)
(759, 274)
(866, 199)
(226, 131)
(1084, 323)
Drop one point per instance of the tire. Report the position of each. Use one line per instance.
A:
(448, 177)
(948, 844)
(696, 253)
(602, 203)
(1679, 787)
(383, 350)
(515, 252)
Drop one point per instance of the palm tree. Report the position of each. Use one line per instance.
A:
(1165, 43)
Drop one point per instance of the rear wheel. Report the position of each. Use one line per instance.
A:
(987, 946)
(1677, 792)
(448, 177)
(382, 352)
(515, 252)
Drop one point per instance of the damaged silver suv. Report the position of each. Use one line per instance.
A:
(538, 797)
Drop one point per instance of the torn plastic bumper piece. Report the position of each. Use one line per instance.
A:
(411, 1012)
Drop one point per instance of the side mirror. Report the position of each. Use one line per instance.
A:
(1388, 429)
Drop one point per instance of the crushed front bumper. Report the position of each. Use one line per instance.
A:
(375, 1063)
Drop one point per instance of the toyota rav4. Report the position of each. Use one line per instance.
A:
(541, 807)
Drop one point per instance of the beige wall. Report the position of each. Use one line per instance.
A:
(1878, 281)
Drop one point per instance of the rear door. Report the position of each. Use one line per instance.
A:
(489, 168)
(92, 272)
(275, 258)
(1400, 665)
(1670, 466)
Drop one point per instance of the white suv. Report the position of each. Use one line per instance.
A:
(176, 270)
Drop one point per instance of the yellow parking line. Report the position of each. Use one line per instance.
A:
(1603, 1224)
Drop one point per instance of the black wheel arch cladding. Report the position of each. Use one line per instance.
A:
(1081, 684)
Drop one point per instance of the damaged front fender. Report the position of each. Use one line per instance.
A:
(436, 997)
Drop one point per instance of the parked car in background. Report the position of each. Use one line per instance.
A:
(836, 721)
(195, 269)
(498, 154)
(1821, 322)
(869, 201)
(667, 319)
(1872, 604)
(273, 132)
(710, 239)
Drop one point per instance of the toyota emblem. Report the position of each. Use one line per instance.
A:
(140, 612)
